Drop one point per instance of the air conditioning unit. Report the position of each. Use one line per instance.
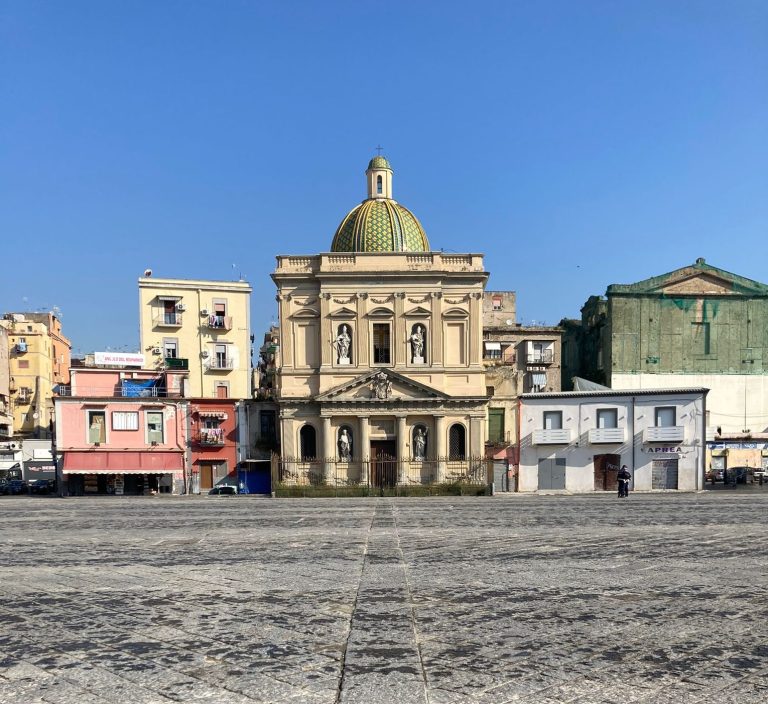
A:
(204, 311)
(156, 350)
(180, 307)
(204, 354)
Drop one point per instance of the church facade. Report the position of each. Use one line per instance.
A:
(381, 369)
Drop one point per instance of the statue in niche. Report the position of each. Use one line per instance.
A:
(345, 445)
(417, 345)
(342, 342)
(419, 443)
(381, 386)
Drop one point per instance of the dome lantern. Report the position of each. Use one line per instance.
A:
(379, 223)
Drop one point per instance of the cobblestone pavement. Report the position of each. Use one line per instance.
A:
(653, 599)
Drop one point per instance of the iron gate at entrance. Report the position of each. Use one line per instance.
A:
(381, 475)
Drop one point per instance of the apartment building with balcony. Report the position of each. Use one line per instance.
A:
(38, 361)
(122, 431)
(517, 359)
(576, 441)
(214, 439)
(6, 417)
(200, 326)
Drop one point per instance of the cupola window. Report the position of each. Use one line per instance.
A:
(379, 185)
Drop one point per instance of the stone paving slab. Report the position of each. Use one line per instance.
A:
(533, 600)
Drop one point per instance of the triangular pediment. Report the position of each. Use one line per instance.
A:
(418, 312)
(701, 285)
(343, 314)
(699, 279)
(382, 385)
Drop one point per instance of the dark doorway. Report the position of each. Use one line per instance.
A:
(606, 471)
(383, 463)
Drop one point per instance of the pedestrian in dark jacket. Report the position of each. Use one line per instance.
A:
(623, 476)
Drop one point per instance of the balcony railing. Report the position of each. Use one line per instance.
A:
(117, 392)
(560, 436)
(218, 322)
(606, 435)
(220, 364)
(669, 433)
(500, 439)
(211, 437)
(544, 357)
(176, 363)
(167, 320)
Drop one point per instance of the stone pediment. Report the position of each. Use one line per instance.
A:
(701, 285)
(699, 280)
(382, 385)
(418, 312)
(306, 313)
(343, 313)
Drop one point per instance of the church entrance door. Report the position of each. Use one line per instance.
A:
(383, 463)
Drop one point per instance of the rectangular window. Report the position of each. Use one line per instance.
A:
(495, 424)
(23, 364)
(607, 418)
(666, 417)
(155, 426)
(497, 302)
(125, 420)
(553, 420)
(381, 343)
(222, 389)
(221, 357)
(268, 426)
(97, 426)
(170, 348)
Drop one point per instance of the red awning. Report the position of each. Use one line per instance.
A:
(130, 462)
(213, 414)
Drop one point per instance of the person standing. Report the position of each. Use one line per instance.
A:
(623, 476)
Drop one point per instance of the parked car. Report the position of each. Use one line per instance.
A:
(41, 486)
(715, 475)
(223, 490)
(17, 486)
(3, 486)
(739, 475)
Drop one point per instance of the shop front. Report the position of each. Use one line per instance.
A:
(123, 473)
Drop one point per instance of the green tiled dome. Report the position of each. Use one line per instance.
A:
(380, 225)
(379, 162)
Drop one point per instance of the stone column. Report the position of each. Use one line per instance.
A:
(440, 448)
(328, 449)
(364, 443)
(436, 332)
(327, 333)
(402, 449)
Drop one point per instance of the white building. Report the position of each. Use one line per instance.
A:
(576, 441)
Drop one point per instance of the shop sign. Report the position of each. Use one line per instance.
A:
(663, 450)
(121, 359)
(738, 445)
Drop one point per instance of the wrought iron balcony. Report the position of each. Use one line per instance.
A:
(220, 364)
(167, 320)
(211, 437)
(218, 322)
(543, 357)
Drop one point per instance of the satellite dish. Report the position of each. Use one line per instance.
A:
(147, 272)
(509, 321)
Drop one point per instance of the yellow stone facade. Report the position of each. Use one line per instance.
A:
(200, 325)
(38, 361)
(349, 359)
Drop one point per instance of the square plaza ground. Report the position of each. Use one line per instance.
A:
(658, 598)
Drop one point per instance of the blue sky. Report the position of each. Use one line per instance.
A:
(576, 144)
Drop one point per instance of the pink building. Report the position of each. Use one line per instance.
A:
(122, 431)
